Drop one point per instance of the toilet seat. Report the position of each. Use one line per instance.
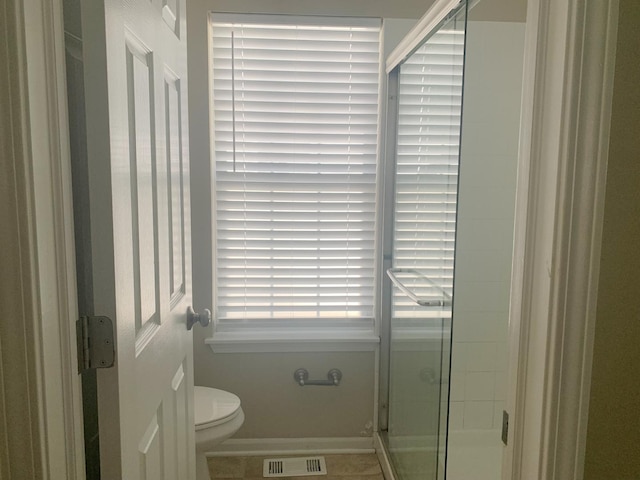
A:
(214, 407)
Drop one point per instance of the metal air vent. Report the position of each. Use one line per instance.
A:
(294, 467)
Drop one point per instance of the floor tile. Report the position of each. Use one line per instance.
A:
(227, 467)
(339, 467)
(347, 465)
(253, 467)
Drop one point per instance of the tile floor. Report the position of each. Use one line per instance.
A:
(339, 467)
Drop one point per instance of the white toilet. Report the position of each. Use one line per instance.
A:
(218, 415)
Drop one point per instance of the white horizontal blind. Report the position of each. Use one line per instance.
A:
(296, 120)
(429, 112)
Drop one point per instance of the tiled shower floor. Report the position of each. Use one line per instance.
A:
(339, 467)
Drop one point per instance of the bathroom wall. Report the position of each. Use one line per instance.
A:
(613, 432)
(275, 407)
(491, 115)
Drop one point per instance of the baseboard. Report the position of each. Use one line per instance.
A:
(293, 446)
(383, 457)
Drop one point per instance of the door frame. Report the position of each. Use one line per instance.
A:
(566, 111)
(41, 435)
(570, 48)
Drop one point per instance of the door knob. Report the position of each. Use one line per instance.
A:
(203, 318)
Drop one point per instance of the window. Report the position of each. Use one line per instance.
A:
(295, 115)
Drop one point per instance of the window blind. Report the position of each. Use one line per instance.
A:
(295, 114)
(428, 140)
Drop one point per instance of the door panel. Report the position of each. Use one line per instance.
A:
(150, 455)
(142, 155)
(180, 453)
(135, 66)
(174, 184)
(171, 15)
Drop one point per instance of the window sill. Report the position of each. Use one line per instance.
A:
(288, 342)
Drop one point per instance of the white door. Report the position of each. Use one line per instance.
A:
(135, 65)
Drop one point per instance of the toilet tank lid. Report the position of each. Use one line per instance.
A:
(213, 405)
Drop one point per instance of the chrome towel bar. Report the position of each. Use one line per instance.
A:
(301, 376)
(445, 302)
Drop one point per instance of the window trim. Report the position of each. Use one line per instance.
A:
(281, 340)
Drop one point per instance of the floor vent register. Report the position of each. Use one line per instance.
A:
(294, 467)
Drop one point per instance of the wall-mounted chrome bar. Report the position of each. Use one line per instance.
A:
(445, 302)
(301, 376)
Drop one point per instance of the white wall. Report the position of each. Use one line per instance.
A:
(275, 407)
(491, 112)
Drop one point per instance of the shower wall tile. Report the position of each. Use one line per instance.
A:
(484, 245)
(481, 296)
(473, 233)
(458, 380)
(479, 386)
(502, 357)
(500, 386)
(478, 415)
(479, 171)
(490, 203)
(484, 241)
(459, 357)
(480, 326)
(476, 140)
(483, 265)
(481, 357)
(456, 415)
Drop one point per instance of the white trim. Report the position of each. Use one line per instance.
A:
(287, 341)
(376, 389)
(20, 432)
(295, 20)
(566, 110)
(55, 239)
(385, 247)
(293, 446)
(436, 13)
(46, 248)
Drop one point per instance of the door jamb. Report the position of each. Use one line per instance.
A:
(39, 383)
(566, 111)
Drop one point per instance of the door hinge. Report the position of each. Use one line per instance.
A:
(94, 336)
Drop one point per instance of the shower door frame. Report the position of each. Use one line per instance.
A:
(438, 15)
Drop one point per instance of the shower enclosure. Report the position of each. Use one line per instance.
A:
(425, 98)
(451, 181)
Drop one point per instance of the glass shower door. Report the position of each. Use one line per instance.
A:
(429, 104)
